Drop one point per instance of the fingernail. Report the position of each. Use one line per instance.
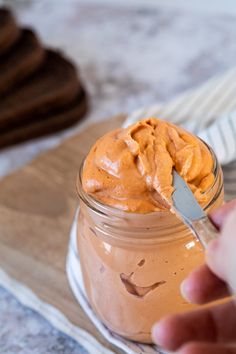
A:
(215, 259)
(156, 334)
(212, 248)
(185, 290)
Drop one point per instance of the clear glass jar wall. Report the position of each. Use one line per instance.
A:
(133, 264)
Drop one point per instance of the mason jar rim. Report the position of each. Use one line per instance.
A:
(128, 227)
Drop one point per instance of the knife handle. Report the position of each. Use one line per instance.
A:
(205, 230)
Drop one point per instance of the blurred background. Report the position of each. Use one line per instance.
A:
(129, 54)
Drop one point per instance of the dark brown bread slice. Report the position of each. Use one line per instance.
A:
(24, 58)
(53, 86)
(80, 98)
(46, 124)
(9, 31)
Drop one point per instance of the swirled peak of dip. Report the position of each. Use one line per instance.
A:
(131, 168)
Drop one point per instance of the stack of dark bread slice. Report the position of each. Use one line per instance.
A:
(40, 91)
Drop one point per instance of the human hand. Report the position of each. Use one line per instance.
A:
(210, 330)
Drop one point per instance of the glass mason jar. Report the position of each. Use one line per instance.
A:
(133, 264)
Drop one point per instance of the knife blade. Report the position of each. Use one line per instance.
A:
(188, 209)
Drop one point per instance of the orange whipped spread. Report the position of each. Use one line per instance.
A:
(131, 168)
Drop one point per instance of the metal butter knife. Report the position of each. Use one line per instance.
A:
(187, 208)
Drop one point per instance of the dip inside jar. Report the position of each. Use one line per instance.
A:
(131, 169)
(134, 252)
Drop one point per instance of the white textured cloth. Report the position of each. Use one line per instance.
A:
(209, 112)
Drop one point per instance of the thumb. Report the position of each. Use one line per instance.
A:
(220, 254)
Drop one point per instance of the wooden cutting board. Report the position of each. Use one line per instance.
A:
(37, 205)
